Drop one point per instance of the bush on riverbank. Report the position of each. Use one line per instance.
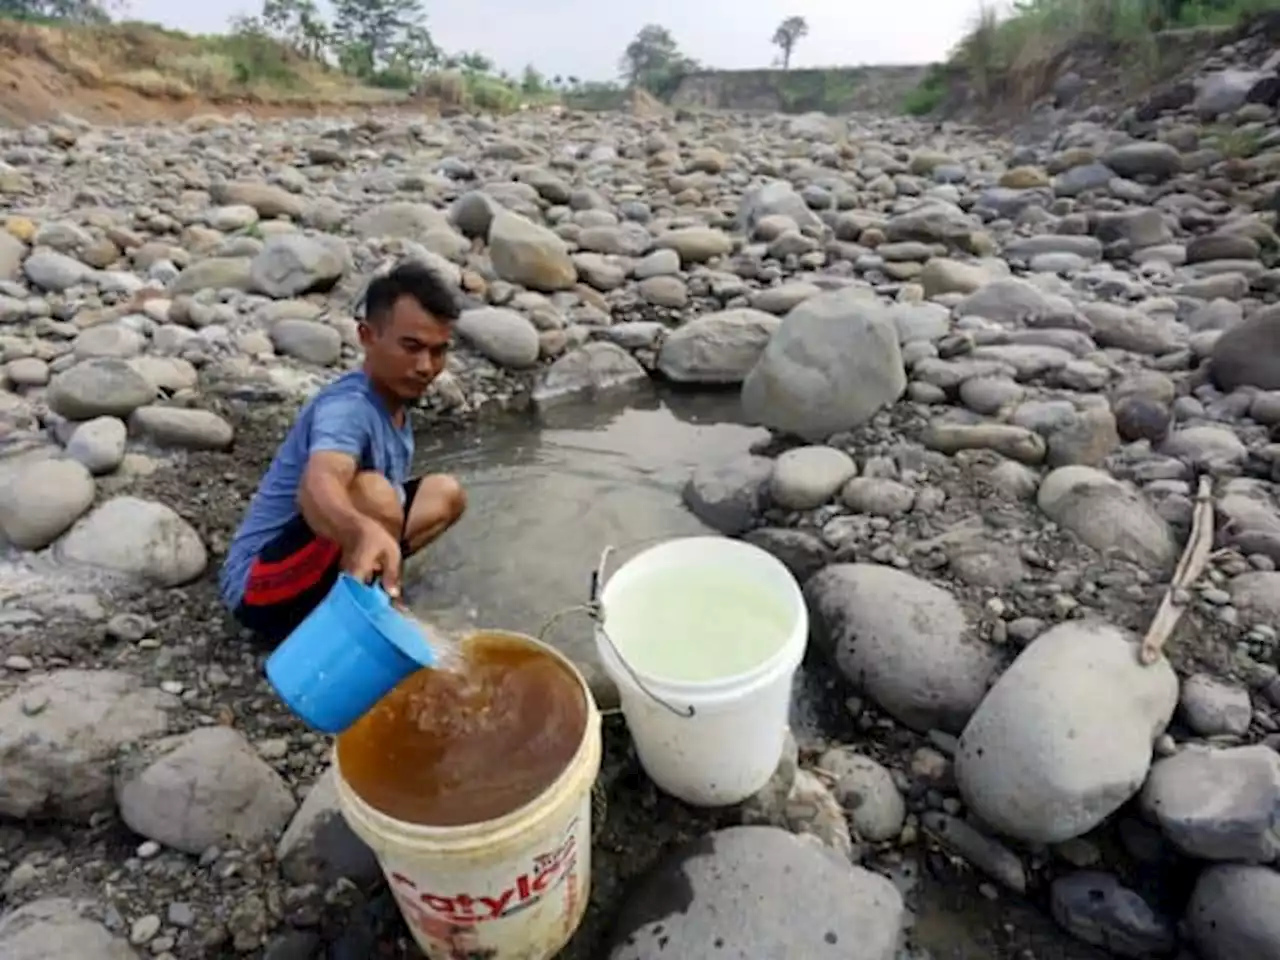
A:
(1016, 57)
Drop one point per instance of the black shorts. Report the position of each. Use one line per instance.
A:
(291, 575)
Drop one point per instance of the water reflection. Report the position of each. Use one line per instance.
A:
(547, 493)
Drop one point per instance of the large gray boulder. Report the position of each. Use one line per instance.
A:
(1064, 737)
(1232, 914)
(718, 347)
(903, 641)
(736, 894)
(832, 364)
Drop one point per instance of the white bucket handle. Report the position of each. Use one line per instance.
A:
(595, 611)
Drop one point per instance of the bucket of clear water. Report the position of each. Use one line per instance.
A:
(703, 636)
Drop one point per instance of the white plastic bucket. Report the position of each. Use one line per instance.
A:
(513, 888)
(717, 742)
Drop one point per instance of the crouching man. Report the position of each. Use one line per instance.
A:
(338, 495)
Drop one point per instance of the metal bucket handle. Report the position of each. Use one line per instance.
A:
(595, 610)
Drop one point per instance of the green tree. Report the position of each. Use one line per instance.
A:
(532, 82)
(299, 24)
(374, 34)
(474, 62)
(74, 11)
(653, 61)
(788, 35)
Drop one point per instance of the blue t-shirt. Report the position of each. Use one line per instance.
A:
(348, 417)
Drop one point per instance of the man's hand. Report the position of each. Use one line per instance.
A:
(375, 553)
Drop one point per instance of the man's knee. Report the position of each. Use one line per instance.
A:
(374, 496)
(440, 499)
(453, 496)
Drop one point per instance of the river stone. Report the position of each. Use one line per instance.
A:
(181, 427)
(42, 500)
(1248, 355)
(728, 496)
(12, 252)
(1213, 708)
(58, 928)
(801, 552)
(1232, 914)
(99, 444)
(867, 793)
(1108, 515)
(775, 198)
(659, 263)
(108, 340)
(504, 336)
(102, 386)
(696, 244)
(214, 273)
(50, 270)
(1257, 596)
(1006, 439)
(267, 199)
(307, 340)
(1064, 737)
(1096, 908)
(401, 219)
(1144, 159)
(734, 892)
(59, 737)
(1009, 302)
(942, 275)
(528, 254)
(903, 641)
(807, 477)
(137, 538)
(319, 846)
(832, 364)
(1218, 804)
(783, 298)
(292, 264)
(203, 789)
(590, 371)
(716, 348)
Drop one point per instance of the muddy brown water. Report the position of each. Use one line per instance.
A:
(425, 754)
(545, 495)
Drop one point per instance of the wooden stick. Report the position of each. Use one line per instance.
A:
(1192, 563)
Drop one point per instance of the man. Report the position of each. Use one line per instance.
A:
(338, 495)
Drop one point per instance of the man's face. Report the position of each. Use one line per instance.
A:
(408, 351)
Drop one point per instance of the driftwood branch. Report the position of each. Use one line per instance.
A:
(1192, 563)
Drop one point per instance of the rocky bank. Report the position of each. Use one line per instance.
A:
(995, 373)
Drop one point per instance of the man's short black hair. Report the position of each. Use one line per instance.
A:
(410, 279)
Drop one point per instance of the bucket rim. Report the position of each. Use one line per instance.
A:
(519, 817)
(607, 647)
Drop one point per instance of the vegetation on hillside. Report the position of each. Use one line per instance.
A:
(303, 49)
(1016, 56)
(289, 48)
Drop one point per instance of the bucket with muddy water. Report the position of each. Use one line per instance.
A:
(703, 636)
(472, 786)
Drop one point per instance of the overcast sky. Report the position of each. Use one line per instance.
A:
(586, 37)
